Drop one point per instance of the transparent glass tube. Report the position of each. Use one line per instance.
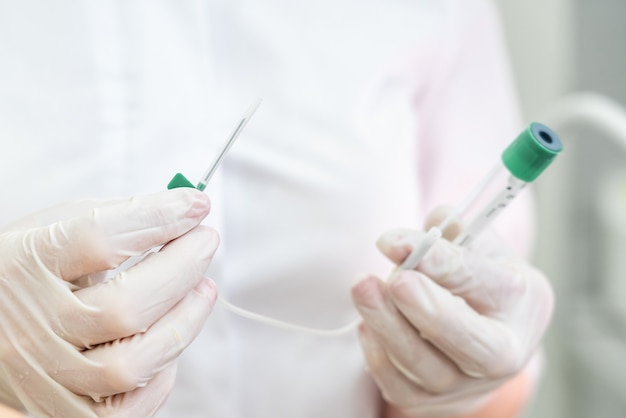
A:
(498, 188)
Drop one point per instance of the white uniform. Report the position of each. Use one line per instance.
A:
(373, 112)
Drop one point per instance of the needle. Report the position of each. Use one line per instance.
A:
(229, 142)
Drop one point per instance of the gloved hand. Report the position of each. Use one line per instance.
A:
(109, 348)
(440, 339)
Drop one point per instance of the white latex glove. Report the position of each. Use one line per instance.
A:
(439, 340)
(108, 349)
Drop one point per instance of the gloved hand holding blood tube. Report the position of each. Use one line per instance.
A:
(453, 330)
(522, 162)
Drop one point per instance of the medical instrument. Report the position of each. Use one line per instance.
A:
(525, 159)
(181, 181)
(521, 163)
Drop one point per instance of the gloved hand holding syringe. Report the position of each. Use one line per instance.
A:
(521, 163)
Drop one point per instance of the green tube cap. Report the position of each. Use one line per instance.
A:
(532, 152)
(179, 181)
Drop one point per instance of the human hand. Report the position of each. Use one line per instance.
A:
(440, 339)
(74, 345)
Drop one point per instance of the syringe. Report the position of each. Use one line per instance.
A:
(522, 161)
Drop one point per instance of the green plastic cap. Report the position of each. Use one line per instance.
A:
(179, 181)
(532, 152)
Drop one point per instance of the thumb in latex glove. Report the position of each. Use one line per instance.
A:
(66, 348)
(438, 340)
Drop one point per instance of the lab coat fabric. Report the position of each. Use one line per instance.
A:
(373, 113)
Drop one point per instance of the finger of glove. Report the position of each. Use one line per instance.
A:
(141, 402)
(135, 299)
(417, 359)
(395, 388)
(60, 212)
(480, 346)
(491, 286)
(91, 279)
(403, 393)
(106, 236)
(440, 214)
(398, 243)
(38, 393)
(126, 364)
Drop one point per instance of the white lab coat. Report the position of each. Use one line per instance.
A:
(373, 112)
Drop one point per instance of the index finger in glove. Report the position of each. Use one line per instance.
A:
(489, 285)
(60, 212)
(128, 363)
(438, 216)
(414, 357)
(136, 298)
(142, 402)
(106, 236)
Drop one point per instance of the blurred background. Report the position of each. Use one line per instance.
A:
(569, 64)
